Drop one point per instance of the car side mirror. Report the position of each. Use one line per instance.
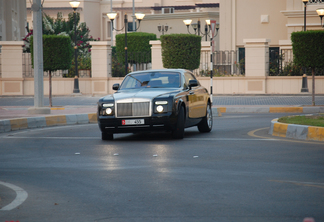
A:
(116, 86)
(193, 83)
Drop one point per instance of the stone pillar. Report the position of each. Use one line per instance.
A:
(12, 67)
(156, 54)
(100, 66)
(256, 64)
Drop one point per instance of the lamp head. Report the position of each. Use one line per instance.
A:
(166, 27)
(112, 15)
(139, 16)
(187, 22)
(159, 28)
(74, 4)
(320, 12)
(217, 25)
(305, 1)
(194, 26)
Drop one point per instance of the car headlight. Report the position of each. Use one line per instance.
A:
(107, 105)
(161, 106)
(107, 109)
(161, 102)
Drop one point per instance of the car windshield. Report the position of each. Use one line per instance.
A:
(151, 80)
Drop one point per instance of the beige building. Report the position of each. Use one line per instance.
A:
(238, 19)
(252, 27)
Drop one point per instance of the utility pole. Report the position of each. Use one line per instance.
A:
(38, 61)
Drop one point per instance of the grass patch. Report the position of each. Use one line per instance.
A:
(313, 120)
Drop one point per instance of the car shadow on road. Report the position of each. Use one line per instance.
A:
(154, 136)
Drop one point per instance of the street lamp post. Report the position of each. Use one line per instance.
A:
(304, 79)
(305, 3)
(320, 13)
(75, 5)
(163, 28)
(209, 31)
(139, 17)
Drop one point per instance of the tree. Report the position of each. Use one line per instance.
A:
(181, 51)
(57, 54)
(61, 27)
(308, 50)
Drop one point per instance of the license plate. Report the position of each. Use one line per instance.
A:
(132, 121)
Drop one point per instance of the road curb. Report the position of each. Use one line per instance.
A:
(46, 121)
(316, 109)
(295, 131)
(8, 125)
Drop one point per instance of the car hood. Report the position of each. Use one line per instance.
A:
(140, 93)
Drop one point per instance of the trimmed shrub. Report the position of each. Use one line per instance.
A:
(57, 55)
(138, 47)
(181, 51)
(57, 52)
(308, 48)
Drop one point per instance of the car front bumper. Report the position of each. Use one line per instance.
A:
(153, 123)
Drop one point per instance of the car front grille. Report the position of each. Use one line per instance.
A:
(134, 109)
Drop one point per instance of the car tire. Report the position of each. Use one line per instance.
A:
(107, 136)
(178, 133)
(206, 124)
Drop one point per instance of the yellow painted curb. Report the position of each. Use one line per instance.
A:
(57, 108)
(222, 109)
(315, 133)
(17, 124)
(280, 129)
(55, 120)
(92, 117)
(286, 109)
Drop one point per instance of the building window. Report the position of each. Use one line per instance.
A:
(167, 10)
(130, 27)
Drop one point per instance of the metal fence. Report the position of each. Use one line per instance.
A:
(286, 67)
(28, 71)
(224, 63)
(136, 61)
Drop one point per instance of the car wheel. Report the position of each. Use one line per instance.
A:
(178, 133)
(206, 123)
(107, 136)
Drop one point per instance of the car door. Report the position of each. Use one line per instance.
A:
(197, 99)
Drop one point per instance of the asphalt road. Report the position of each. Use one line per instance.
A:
(245, 100)
(235, 173)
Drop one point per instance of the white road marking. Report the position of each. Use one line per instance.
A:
(20, 198)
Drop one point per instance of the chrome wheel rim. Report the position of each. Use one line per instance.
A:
(209, 117)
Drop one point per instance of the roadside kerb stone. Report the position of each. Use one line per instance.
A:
(315, 109)
(38, 122)
(295, 131)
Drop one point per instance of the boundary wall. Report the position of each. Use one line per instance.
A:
(255, 81)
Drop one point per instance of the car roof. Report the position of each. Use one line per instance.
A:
(160, 70)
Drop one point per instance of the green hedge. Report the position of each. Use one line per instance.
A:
(308, 48)
(57, 52)
(138, 47)
(181, 51)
